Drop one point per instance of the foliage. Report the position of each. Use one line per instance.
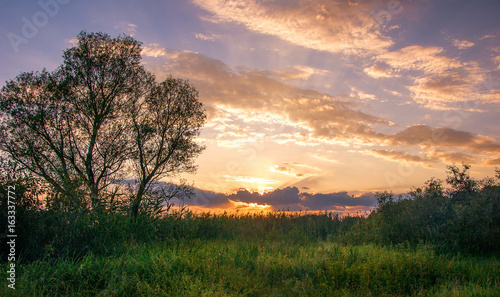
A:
(464, 218)
(79, 126)
(267, 254)
(23, 191)
(259, 266)
(164, 124)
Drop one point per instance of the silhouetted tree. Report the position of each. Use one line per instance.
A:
(78, 126)
(164, 126)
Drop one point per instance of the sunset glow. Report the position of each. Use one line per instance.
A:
(249, 206)
(312, 105)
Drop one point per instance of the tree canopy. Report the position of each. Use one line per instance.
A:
(81, 126)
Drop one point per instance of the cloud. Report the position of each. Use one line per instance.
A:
(211, 37)
(291, 171)
(493, 162)
(246, 105)
(462, 44)
(72, 41)
(451, 157)
(426, 158)
(398, 156)
(249, 179)
(296, 164)
(496, 60)
(153, 50)
(331, 26)
(280, 199)
(128, 28)
(325, 158)
(364, 96)
(418, 57)
(380, 70)
(428, 137)
(255, 95)
(487, 36)
(437, 80)
(333, 200)
(299, 72)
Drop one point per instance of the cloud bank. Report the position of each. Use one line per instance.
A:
(247, 105)
(289, 198)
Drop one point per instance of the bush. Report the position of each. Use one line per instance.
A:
(464, 218)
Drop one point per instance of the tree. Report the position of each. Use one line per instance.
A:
(34, 130)
(78, 126)
(463, 186)
(164, 124)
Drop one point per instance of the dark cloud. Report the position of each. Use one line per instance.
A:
(280, 199)
(332, 200)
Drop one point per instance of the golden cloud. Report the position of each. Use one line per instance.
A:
(438, 80)
(331, 26)
(261, 107)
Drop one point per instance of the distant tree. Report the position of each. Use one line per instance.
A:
(461, 182)
(384, 198)
(78, 126)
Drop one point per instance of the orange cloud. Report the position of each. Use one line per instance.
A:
(289, 171)
(493, 162)
(331, 26)
(398, 156)
(249, 106)
(251, 94)
(427, 157)
(380, 70)
(438, 80)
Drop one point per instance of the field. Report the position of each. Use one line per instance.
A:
(275, 254)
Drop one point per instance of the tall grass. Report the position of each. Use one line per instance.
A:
(260, 267)
(274, 254)
(432, 243)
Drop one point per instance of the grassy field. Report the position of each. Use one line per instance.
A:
(257, 255)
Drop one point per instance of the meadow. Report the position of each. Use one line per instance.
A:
(434, 241)
(274, 254)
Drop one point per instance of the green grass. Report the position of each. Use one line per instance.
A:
(260, 267)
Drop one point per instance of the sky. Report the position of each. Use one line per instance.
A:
(315, 104)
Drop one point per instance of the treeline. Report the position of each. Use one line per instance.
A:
(465, 217)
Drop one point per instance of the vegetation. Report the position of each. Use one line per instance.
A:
(416, 244)
(464, 218)
(98, 119)
(85, 146)
(261, 267)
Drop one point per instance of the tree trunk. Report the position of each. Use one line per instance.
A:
(137, 201)
(94, 198)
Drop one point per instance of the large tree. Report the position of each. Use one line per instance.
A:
(78, 126)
